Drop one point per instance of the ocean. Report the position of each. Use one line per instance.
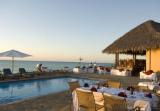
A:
(54, 65)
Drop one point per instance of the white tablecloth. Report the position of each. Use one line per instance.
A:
(86, 70)
(132, 100)
(152, 76)
(90, 70)
(150, 85)
(100, 71)
(76, 70)
(120, 73)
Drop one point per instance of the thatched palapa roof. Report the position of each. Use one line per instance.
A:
(138, 40)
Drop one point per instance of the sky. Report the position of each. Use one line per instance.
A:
(64, 30)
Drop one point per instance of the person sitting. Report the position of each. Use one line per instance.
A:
(39, 68)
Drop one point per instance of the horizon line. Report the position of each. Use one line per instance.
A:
(59, 61)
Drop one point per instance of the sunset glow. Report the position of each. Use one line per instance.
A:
(64, 31)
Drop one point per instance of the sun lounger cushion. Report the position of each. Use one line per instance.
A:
(7, 71)
(22, 70)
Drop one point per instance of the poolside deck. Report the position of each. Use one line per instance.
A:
(43, 103)
(61, 101)
(125, 80)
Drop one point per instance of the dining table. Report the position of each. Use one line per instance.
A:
(118, 72)
(133, 99)
(151, 85)
(152, 76)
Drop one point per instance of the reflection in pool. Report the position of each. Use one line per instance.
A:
(19, 90)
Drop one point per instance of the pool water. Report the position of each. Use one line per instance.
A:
(20, 90)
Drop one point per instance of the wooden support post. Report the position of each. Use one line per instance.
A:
(116, 59)
(150, 62)
(134, 59)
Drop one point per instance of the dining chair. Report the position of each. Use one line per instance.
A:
(144, 89)
(98, 97)
(105, 84)
(142, 105)
(114, 84)
(158, 92)
(136, 87)
(114, 103)
(73, 85)
(86, 101)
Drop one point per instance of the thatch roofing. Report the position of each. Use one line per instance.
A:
(138, 40)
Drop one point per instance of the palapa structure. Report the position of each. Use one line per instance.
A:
(142, 40)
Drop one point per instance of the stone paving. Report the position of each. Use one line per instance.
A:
(51, 102)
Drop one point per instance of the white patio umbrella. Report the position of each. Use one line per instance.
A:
(13, 54)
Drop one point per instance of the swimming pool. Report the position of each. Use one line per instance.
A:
(20, 90)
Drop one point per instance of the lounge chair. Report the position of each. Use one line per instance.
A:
(23, 73)
(8, 74)
(1, 76)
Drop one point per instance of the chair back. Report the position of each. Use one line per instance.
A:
(144, 89)
(98, 97)
(7, 71)
(86, 99)
(73, 85)
(22, 70)
(105, 83)
(114, 103)
(114, 84)
(136, 87)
